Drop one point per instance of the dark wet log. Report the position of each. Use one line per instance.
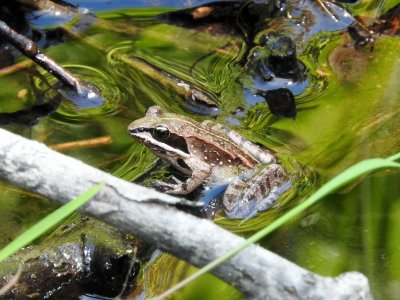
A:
(258, 273)
(242, 18)
(82, 256)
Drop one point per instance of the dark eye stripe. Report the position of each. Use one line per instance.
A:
(182, 163)
(174, 140)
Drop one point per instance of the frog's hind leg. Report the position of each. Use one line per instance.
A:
(255, 191)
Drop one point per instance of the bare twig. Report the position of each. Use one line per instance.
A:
(30, 49)
(16, 67)
(258, 273)
(90, 143)
(48, 5)
(327, 9)
(12, 282)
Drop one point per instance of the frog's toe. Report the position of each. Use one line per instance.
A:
(163, 186)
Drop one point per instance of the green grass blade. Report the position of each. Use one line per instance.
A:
(49, 221)
(356, 171)
(394, 157)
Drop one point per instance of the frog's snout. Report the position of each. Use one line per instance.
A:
(133, 130)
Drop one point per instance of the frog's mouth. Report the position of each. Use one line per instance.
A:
(144, 135)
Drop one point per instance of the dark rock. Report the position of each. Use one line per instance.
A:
(283, 60)
(280, 102)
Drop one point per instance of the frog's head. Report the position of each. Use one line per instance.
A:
(162, 132)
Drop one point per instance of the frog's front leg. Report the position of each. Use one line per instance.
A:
(255, 191)
(184, 187)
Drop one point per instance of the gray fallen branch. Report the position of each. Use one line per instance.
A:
(256, 272)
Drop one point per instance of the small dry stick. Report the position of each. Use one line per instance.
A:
(89, 143)
(16, 67)
(12, 282)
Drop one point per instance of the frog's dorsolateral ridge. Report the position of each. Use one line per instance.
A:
(210, 153)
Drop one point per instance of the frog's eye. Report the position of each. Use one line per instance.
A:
(161, 132)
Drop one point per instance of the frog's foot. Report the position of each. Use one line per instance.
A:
(255, 191)
(170, 188)
(178, 187)
(164, 186)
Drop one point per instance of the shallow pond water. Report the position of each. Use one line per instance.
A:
(347, 105)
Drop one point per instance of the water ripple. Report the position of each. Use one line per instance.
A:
(77, 108)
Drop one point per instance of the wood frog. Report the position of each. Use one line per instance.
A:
(210, 153)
